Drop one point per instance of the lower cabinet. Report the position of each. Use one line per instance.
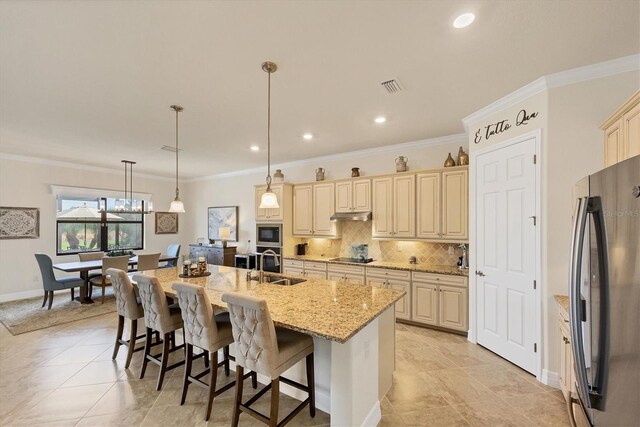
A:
(425, 303)
(565, 365)
(440, 300)
(315, 270)
(353, 274)
(397, 280)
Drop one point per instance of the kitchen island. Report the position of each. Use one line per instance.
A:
(353, 327)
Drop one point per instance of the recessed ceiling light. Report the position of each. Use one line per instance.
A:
(464, 20)
(255, 148)
(307, 136)
(380, 119)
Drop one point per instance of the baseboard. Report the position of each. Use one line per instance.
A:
(25, 295)
(550, 378)
(374, 417)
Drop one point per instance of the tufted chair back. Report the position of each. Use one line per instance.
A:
(200, 328)
(126, 300)
(253, 332)
(154, 303)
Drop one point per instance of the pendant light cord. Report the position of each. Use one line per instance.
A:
(177, 190)
(269, 132)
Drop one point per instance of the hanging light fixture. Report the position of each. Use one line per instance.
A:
(269, 198)
(177, 206)
(127, 204)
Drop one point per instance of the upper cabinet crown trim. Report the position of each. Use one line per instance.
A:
(615, 116)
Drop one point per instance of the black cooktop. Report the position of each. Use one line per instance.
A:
(353, 260)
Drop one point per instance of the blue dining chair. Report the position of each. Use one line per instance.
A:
(173, 250)
(50, 283)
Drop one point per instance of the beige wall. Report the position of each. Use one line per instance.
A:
(27, 184)
(572, 147)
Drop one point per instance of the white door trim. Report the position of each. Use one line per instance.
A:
(473, 320)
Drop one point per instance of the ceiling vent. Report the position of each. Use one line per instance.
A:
(169, 148)
(391, 86)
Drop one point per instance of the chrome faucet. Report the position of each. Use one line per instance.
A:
(275, 258)
(465, 259)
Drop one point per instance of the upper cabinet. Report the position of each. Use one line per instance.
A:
(443, 205)
(267, 215)
(353, 196)
(622, 132)
(313, 205)
(394, 213)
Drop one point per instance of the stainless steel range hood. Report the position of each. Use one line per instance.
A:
(351, 216)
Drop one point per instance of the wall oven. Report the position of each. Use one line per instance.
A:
(269, 235)
(270, 263)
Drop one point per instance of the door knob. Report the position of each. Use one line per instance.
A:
(479, 273)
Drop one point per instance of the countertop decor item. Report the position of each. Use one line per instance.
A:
(355, 172)
(120, 252)
(463, 158)
(320, 174)
(221, 218)
(19, 223)
(278, 177)
(194, 275)
(413, 260)
(401, 164)
(269, 200)
(166, 223)
(449, 162)
(177, 206)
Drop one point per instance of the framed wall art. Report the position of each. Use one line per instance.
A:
(19, 223)
(223, 217)
(166, 223)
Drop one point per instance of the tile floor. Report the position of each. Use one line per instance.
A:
(64, 376)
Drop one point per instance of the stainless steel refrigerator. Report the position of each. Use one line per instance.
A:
(604, 294)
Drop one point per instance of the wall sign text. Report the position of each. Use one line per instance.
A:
(522, 119)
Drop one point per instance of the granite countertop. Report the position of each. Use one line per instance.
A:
(423, 268)
(326, 309)
(563, 300)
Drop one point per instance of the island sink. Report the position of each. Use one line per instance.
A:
(280, 280)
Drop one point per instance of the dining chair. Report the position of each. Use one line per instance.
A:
(267, 350)
(117, 262)
(148, 262)
(173, 250)
(91, 256)
(209, 332)
(160, 317)
(50, 283)
(128, 306)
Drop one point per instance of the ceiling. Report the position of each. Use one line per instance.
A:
(91, 82)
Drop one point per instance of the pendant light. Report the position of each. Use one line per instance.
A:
(269, 200)
(177, 206)
(127, 204)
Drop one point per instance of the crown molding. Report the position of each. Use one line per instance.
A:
(459, 138)
(550, 81)
(70, 165)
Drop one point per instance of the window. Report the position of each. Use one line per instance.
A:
(83, 227)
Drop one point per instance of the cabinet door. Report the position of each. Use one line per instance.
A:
(292, 271)
(613, 149)
(455, 205)
(425, 303)
(404, 206)
(452, 310)
(631, 132)
(382, 207)
(336, 276)
(261, 214)
(403, 305)
(314, 274)
(344, 196)
(323, 208)
(362, 195)
(428, 206)
(563, 375)
(276, 214)
(355, 279)
(376, 282)
(302, 209)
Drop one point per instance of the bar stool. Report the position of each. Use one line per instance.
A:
(270, 351)
(205, 330)
(129, 307)
(159, 316)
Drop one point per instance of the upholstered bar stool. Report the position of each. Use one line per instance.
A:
(117, 262)
(211, 333)
(161, 317)
(129, 307)
(148, 262)
(267, 350)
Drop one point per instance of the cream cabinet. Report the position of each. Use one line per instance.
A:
(440, 300)
(442, 200)
(266, 215)
(353, 274)
(353, 196)
(622, 132)
(398, 280)
(394, 212)
(313, 205)
(565, 365)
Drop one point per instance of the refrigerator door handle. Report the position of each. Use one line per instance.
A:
(575, 302)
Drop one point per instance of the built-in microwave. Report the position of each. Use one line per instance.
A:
(269, 235)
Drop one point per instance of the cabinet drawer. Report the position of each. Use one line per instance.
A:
(440, 278)
(293, 263)
(292, 271)
(313, 265)
(388, 273)
(348, 269)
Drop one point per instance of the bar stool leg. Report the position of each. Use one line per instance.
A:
(312, 386)
(165, 359)
(116, 347)
(187, 372)
(147, 351)
(225, 351)
(275, 401)
(238, 398)
(133, 333)
(213, 379)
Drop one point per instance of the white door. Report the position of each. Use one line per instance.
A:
(505, 252)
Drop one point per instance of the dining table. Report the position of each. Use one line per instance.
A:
(84, 267)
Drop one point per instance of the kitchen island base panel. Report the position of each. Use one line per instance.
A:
(352, 377)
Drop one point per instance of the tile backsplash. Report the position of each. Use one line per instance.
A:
(354, 232)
